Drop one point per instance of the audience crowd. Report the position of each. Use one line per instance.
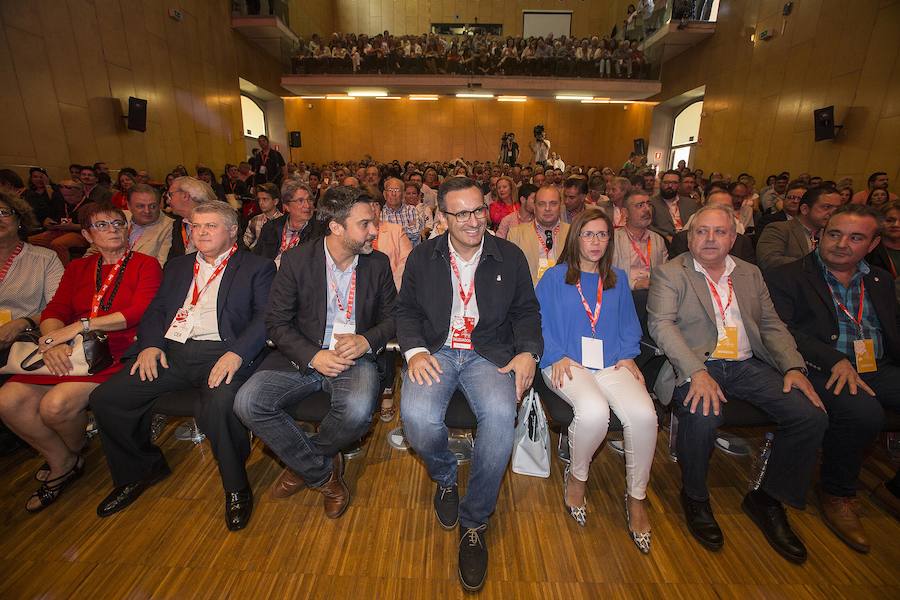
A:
(280, 280)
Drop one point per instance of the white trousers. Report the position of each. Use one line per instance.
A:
(591, 395)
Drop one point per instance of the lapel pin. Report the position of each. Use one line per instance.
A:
(500, 279)
(876, 279)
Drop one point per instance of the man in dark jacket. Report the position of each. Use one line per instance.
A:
(843, 314)
(468, 319)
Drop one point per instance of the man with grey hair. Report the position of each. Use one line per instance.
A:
(712, 317)
(183, 195)
(395, 210)
(201, 337)
(296, 227)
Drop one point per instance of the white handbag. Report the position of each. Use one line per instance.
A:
(531, 452)
(90, 355)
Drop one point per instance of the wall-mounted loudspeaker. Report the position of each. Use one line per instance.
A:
(137, 114)
(824, 123)
(295, 139)
(640, 146)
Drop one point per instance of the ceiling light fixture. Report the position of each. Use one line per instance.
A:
(470, 95)
(339, 97)
(511, 98)
(387, 98)
(423, 97)
(566, 97)
(312, 97)
(367, 93)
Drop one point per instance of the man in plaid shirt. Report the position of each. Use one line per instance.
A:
(396, 211)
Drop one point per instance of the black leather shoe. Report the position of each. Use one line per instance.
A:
(701, 522)
(446, 505)
(473, 557)
(772, 521)
(238, 507)
(124, 495)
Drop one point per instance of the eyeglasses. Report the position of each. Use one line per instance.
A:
(392, 189)
(8, 212)
(594, 235)
(792, 197)
(464, 215)
(104, 225)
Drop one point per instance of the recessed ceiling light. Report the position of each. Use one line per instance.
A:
(367, 93)
(339, 97)
(566, 97)
(423, 97)
(387, 97)
(470, 95)
(511, 98)
(312, 97)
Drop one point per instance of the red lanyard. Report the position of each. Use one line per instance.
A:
(195, 297)
(593, 317)
(375, 241)
(541, 239)
(351, 295)
(9, 261)
(98, 296)
(465, 297)
(715, 293)
(637, 250)
(77, 206)
(859, 313)
(285, 244)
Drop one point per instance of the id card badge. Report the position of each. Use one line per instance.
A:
(5, 316)
(462, 333)
(65, 221)
(865, 355)
(727, 347)
(544, 264)
(262, 169)
(592, 353)
(181, 327)
(340, 328)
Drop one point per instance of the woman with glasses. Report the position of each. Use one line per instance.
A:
(106, 292)
(591, 336)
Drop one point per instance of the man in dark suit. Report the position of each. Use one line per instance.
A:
(785, 242)
(296, 227)
(789, 208)
(671, 212)
(330, 317)
(742, 248)
(183, 195)
(843, 314)
(201, 334)
(467, 318)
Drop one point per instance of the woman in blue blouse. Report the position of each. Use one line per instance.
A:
(591, 336)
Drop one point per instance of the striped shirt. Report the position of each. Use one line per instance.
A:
(31, 282)
(407, 217)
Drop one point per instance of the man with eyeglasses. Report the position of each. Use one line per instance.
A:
(467, 318)
(397, 211)
(151, 231)
(790, 204)
(201, 335)
(542, 239)
(671, 212)
(295, 228)
(183, 195)
(637, 249)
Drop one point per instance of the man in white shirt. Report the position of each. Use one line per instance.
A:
(712, 317)
(637, 249)
(480, 286)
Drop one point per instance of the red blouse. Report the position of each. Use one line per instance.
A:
(499, 209)
(72, 301)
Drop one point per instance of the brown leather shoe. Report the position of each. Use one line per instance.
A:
(840, 514)
(887, 500)
(335, 491)
(288, 484)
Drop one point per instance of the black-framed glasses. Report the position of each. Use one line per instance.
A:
(104, 225)
(8, 212)
(464, 215)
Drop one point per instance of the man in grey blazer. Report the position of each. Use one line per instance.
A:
(671, 212)
(786, 241)
(712, 317)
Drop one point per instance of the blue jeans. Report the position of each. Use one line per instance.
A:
(492, 397)
(798, 434)
(261, 404)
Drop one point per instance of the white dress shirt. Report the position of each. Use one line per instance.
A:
(467, 273)
(732, 313)
(206, 319)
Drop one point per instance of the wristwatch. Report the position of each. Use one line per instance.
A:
(536, 358)
(85, 325)
(801, 369)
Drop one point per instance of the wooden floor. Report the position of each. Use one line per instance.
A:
(173, 543)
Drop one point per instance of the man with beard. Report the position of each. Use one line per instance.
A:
(670, 212)
(877, 181)
(331, 341)
(637, 248)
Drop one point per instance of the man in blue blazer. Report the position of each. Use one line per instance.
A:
(202, 333)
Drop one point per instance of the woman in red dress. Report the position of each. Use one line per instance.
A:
(505, 203)
(127, 177)
(107, 292)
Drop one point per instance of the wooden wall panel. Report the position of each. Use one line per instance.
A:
(451, 127)
(68, 67)
(760, 96)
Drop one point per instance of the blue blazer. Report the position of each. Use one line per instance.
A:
(243, 296)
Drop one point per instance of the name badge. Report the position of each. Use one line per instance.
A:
(592, 353)
(865, 355)
(262, 169)
(727, 347)
(339, 328)
(543, 265)
(462, 327)
(5, 316)
(181, 327)
(65, 221)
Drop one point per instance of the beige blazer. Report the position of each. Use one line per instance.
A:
(782, 243)
(525, 238)
(681, 319)
(155, 241)
(623, 252)
(394, 242)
